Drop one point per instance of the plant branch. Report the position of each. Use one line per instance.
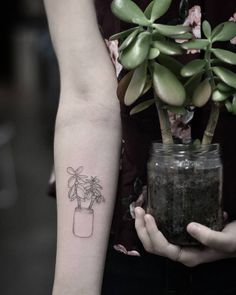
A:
(215, 110)
(164, 121)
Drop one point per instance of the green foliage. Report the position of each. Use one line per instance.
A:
(234, 105)
(171, 63)
(193, 67)
(128, 11)
(202, 94)
(136, 85)
(169, 31)
(168, 47)
(148, 10)
(224, 32)
(167, 87)
(153, 53)
(206, 27)
(131, 37)
(225, 55)
(196, 44)
(122, 35)
(142, 106)
(159, 8)
(220, 96)
(149, 51)
(227, 76)
(137, 52)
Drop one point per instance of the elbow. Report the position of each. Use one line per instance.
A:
(89, 109)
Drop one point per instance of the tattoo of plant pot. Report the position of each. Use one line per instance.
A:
(86, 191)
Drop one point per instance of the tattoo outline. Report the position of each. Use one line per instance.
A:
(87, 192)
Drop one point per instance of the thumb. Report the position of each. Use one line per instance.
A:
(208, 237)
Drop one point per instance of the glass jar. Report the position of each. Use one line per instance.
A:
(184, 185)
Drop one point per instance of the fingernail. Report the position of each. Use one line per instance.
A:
(193, 226)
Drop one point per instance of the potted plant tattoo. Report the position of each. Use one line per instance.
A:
(184, 180)
(86, 191)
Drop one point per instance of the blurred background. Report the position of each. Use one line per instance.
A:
(29, 89)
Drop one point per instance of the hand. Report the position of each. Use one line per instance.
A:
(216, 245)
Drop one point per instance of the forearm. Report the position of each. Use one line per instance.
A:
(80, 50)
(93, 142)
(87, 135)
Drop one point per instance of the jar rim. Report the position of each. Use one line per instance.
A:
(184, 149)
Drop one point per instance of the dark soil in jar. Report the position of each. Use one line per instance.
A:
(177, 197)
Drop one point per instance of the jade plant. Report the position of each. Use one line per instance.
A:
(148, 51)
(83, 189)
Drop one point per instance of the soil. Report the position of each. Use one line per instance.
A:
(178, 196)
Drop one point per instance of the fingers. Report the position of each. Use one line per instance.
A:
(159, 243)
(141, 229)
(151, 238)
(220, 241)
(219, 245)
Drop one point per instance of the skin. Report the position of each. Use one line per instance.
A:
(88, 134)
(217, 245)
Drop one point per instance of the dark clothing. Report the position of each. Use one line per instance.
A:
(151, 274)
(140, 130)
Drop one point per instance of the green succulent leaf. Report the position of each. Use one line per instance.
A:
(225, 55)
(202, 93)
(128, 11)
(148, 10)
(206, 27)
(219, 96)
(196, 44)
(224, 87)
(193, 67)
(142, 106)
(122, 35)
(228, 106)
(137, 84)
(129, 39)
(224, 32)
(147, 86)
(234, 104)
(172, 64)
(134, 55)
(153, 53)
(167, 87)
(227, 76)
(168, 47)
(123, 85)
(184, 36)
(177, 110)
(191, 84)
(159, 8)
(167, 30)
(196, 144)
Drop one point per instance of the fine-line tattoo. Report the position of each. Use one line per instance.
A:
(86, 191)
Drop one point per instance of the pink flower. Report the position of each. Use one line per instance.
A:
(179, 128)
(114, 54)
(122, 249)
(233, 19)
(193, 20)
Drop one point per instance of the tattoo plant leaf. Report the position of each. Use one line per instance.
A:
(149, 52)
(83, 189)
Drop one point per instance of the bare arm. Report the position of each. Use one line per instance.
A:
(87, 136)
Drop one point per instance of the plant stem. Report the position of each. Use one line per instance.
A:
(164, 121)
(215, 110)
(91, 204)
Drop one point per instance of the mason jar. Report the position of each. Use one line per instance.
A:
(184, 185)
